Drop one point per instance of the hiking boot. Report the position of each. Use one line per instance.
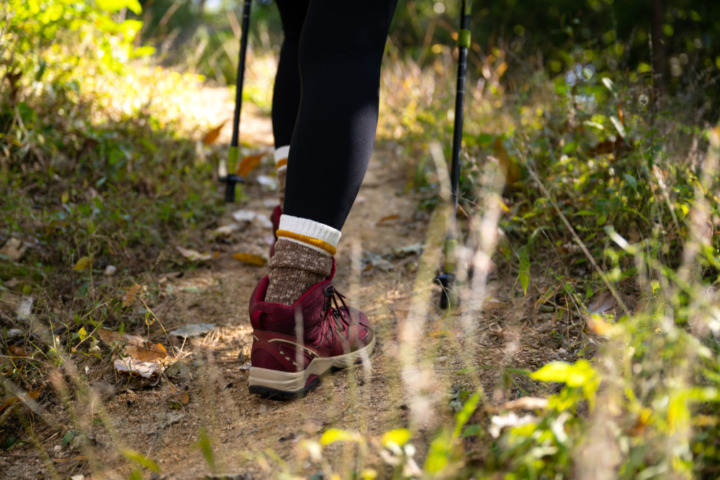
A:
(287, 362)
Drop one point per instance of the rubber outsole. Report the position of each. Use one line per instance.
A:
(269, 383)
(272, 394)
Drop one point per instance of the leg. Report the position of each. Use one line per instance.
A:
(286, 91)
(341, 49)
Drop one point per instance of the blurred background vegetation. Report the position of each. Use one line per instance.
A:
(600, 115)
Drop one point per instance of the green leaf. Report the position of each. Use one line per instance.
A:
(524, 273)
(473, 431)
(464, 415)
(440, 452)
(68, 437)
(140, 459)
(397, 437)
(206, 449)
(117, 5)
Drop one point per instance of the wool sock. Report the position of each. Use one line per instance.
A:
(281, 159)
(303, 257)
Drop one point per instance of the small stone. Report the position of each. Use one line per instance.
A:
(110, 270)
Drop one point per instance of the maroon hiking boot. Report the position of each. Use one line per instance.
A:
(275, 219)
(288, 360)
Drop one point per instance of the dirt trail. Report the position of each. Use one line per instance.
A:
(212, 369)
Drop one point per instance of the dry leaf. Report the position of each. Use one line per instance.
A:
(14, 249)
(602, 303)
(509, 167)
(147, 352)
(178, 399)
(131, 295)
(225, 230)
(18, 351)
(83, 263)
(12, 401)
(193, 330)
(414, 249)
(249, 163)
(194, 255)
(387, 219)
(250, 259)
(211, 136)
(599, 326)
(132, 366)
(110, 338)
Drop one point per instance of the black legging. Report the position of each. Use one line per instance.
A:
(334, 48)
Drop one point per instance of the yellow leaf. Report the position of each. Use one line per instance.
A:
(249, 163)
(397, 437)
(333, 435)
(82, 333)
(83, 263)
(250, 258)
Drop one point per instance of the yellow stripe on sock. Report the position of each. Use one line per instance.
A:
(281, 163)
(309, 240)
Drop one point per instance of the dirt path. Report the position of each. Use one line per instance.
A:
(258, 438)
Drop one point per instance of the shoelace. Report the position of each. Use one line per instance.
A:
(335, 302)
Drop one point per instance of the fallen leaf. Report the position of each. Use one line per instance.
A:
(18, 351)
(83, 263)
(131, 295)
(414, 249)
(178, 400)
(602, 303)
(111, 338)
(193, 330)
(14, 249)
(248, 216)
(13, 400)
(510, 168)
(372, 260)
(147, 352)
(225, 230)
(212, 135)
(599, 326)
(387, 219)
(249, 163)
(24, 309)
(194, 255)
(131, 366)
(250, 258)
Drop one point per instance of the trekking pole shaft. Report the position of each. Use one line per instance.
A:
(241, 73)
(463, 43)
(234, 153)
(448, 297)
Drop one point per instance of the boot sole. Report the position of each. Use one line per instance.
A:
(290, 385)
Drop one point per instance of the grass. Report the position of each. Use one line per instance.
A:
(580, 190)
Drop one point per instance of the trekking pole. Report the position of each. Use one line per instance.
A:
(448, 296)
(234, 153)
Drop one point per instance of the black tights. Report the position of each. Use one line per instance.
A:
(325, 101)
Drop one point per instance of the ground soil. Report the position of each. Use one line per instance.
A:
(260, 438)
